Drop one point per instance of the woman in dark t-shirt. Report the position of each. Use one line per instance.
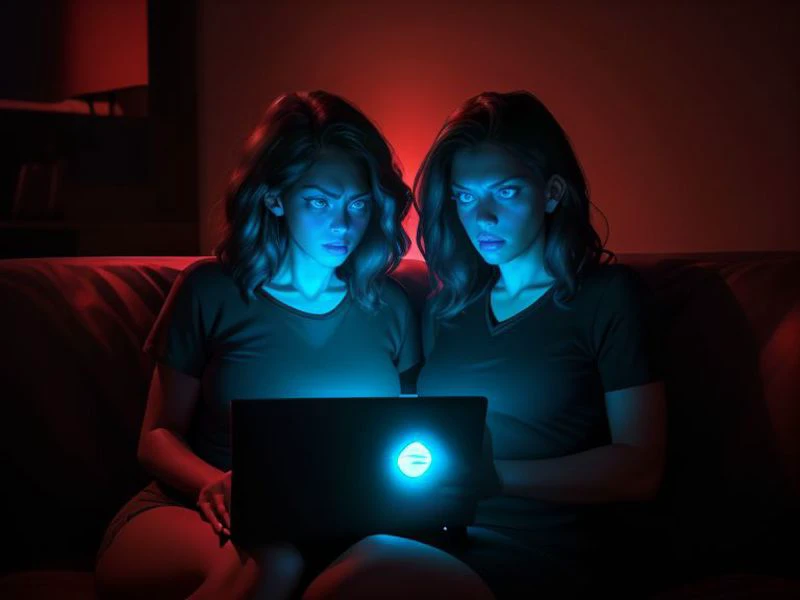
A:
(529, 312)
(297, 298)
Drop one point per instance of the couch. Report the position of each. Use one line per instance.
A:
(73, 383)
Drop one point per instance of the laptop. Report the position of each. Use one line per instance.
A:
(310, 469)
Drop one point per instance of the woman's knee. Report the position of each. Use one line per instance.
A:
(388, 566)
(165, 552)
(272, 571)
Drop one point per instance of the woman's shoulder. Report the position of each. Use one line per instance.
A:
(395, 295)
(616, 289)
(203, 269)
(206, 277)
(473, 306)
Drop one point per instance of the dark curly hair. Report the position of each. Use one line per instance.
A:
(295, 129)
(522, 125)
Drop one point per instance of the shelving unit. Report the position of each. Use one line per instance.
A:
(126, 180)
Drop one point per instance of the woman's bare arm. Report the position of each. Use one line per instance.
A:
(628, 469)
(163, 450)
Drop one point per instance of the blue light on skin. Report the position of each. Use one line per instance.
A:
(414, 460)
(502, 204)
(327, 212)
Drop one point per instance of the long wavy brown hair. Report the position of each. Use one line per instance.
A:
(295, 129)
(520, 123)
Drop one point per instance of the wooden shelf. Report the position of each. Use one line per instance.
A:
(64, 238)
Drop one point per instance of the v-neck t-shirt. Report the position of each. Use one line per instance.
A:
(545, 371)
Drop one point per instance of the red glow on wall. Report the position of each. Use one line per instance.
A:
(684, 116)
(105, 46)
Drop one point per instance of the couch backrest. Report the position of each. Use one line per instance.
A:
(74, 382)
(731, 353)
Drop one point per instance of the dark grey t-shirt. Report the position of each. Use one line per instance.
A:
(544, 372)
(267, 349)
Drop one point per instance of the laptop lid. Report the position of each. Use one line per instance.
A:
(312, 468)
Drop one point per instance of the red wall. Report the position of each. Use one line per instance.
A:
(685, 117)
(104, 46)
(53, 50)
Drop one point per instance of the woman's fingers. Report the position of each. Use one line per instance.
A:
(222, 511)
(213, 504)
(209, 515)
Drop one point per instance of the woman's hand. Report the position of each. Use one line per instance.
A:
(214, 502)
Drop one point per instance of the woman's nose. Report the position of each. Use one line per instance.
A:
(487, 215)
(339, 224)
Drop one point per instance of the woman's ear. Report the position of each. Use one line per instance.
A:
(272, 201)
(555, 190)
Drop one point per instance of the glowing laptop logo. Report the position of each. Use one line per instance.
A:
(414, 460)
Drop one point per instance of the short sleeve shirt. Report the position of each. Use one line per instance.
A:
(263, 348)
(544, 372)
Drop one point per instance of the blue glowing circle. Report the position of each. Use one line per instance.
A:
(414, 460)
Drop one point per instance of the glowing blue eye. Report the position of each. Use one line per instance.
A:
(508, 192)
(464, 197)
(414, 460)
(358, 205)
(318, 202)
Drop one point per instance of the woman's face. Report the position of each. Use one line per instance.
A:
(328, 209)
(499, 201)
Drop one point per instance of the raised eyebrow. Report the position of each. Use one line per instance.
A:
(334, 194)
(492, 186)
(506, 180)
(321, 189)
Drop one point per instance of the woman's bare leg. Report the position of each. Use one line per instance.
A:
(387, 567)
(272, 572)
(171, 552)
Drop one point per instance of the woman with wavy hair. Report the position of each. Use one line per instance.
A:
(296, 303)
(528, 310)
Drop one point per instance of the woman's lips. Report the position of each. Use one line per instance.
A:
(490, 243)
(336, 248)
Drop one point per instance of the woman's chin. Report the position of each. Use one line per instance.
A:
(333, 261)
(491, 257)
